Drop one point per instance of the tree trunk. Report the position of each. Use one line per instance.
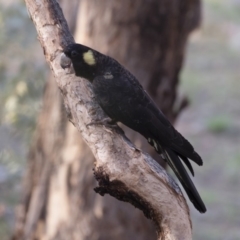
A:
(59, 201)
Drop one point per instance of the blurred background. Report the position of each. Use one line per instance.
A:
(210, 78)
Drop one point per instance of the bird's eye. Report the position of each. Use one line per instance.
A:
(74, 54)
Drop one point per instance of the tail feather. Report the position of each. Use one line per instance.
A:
(178, 168)
(182, 146)
(189, 154)
(159, 150)
(187, 163)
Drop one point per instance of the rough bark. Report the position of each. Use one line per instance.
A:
(152, 40)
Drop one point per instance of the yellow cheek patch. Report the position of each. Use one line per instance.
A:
(88, 58)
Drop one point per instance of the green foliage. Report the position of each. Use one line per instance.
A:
(218, 124)
(22, 77)
(4, 229)
(21, 73)
(211, 79)
(229, 10)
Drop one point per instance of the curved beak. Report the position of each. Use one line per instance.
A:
(65, 61)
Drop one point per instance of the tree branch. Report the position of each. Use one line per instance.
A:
(120, 169)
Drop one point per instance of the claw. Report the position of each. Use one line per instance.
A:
(106, 122)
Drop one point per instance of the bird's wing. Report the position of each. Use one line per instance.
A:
(175, 140)
(124, 99)
(161, 137)
(128, 103)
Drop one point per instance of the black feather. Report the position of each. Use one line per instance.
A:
(123, 99)
(187, 163)
(176, 165)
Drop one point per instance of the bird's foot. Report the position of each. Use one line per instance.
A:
(108, 122)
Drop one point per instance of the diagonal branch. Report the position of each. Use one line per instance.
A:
(120, 169)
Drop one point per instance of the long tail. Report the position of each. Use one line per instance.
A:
(181, 173)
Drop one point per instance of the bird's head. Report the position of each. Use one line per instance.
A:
(83, 59)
